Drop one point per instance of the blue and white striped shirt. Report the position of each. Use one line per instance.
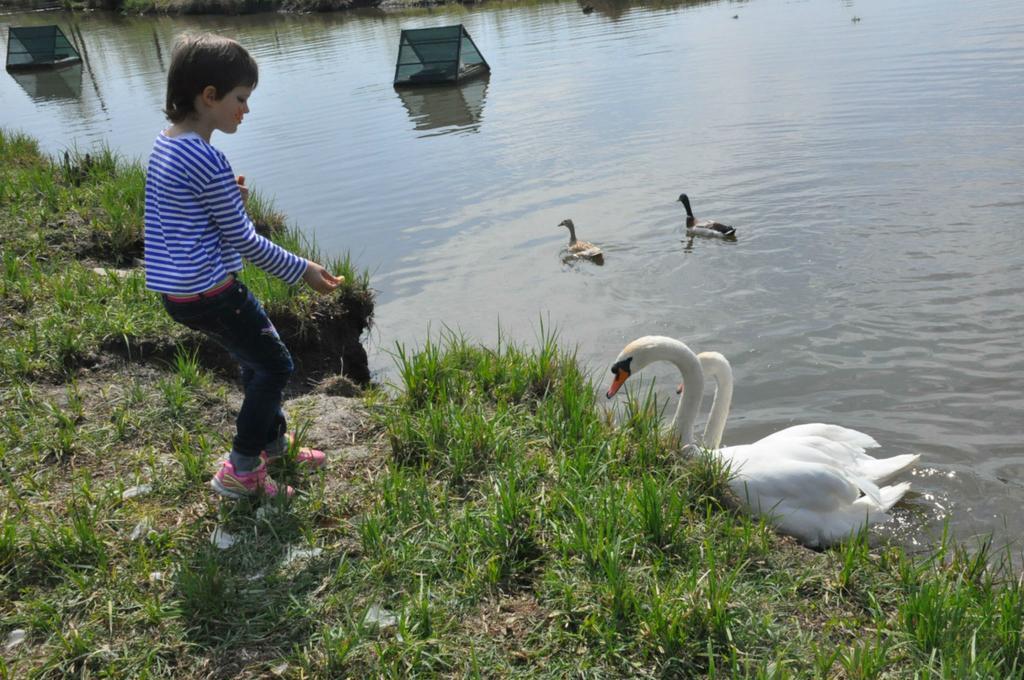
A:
(197, 230)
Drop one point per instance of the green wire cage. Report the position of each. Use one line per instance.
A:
(37, 47)
(445, 54)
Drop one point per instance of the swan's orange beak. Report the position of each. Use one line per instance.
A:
(679, 390)
(621, 375)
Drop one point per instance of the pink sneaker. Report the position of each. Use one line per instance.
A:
(228, 482)
(311, 459)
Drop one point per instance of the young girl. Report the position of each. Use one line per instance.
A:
(197, 232)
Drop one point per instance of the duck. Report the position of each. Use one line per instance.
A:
(812, 482)
(581, 249)
(704, 227)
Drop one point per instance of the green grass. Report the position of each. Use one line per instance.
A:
(504, 524)
(498, 545)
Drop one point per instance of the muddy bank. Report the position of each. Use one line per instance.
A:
(322, 346)
(323, 336)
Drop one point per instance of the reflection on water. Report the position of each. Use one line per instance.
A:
(456, 108)
(616, 9)
(62, 83)
(692, 242)
(870, 167)
(158, 50)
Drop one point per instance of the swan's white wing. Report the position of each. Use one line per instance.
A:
(883, 469)
(821, 529)
(835, 433)
(842, 445)
(892, 494)
(795, 457)
(810, 486)
(816, 503)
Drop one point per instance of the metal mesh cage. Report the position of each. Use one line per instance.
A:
(31, 47)
(445, 54)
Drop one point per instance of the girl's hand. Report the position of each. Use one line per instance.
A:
(319, 279)
(242, 189)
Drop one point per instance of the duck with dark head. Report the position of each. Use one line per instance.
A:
(695, 227)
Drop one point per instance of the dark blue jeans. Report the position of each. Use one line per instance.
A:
(236, 320)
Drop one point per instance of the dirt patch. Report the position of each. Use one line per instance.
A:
(344, 427)
(353, 441)
(334, 422)
(98, 247)
(509, 622)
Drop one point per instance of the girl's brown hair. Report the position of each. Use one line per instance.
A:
(198, 61)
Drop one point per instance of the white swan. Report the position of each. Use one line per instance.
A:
(833, 444)
(801, 491)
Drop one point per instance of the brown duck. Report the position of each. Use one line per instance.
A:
(578, 249)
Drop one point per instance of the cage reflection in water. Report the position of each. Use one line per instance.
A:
(448, 108)
(444, 54)
(42, 86)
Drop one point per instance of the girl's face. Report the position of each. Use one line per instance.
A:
(227, 113)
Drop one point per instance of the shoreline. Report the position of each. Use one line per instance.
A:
(486, 517)
(222, 7)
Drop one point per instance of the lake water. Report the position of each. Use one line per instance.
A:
(872, 168)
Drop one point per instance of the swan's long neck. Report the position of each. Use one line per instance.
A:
(717, 366)
(572, 233)
(686, 361)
